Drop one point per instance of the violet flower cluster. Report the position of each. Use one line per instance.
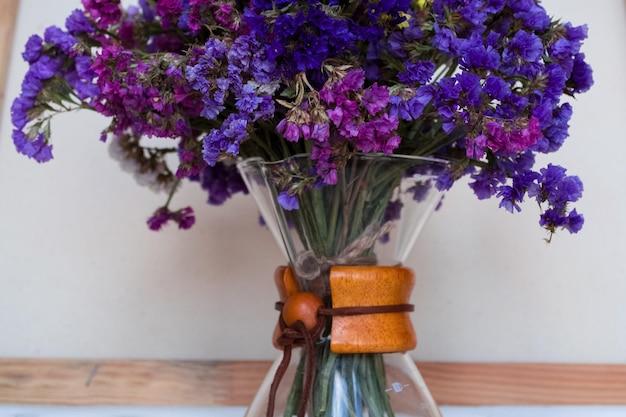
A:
(478, 82)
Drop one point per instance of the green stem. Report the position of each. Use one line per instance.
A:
(334, 217)
(381, 379)
(324, 389)
(172, 192)
(317, 197)
(308, 214)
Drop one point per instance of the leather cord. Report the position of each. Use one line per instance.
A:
(298, 335)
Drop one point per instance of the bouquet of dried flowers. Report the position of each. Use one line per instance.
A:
(477, 82)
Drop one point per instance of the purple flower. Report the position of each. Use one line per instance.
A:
(470, 85)
(31, 86)
(221, 182)
(420, 73)
(160, 217)
(485, 183)
(165, 42)
(37, 149)
(477, 54)
(84, 89)
(77, 23)
(46, 67)
(83, 67)
(445, 40)
(510, 198)
(576, 33)
(235, 131)
(104, 12)
(499, 137)
(397, 40)
(570, 189)
(392, 213)
(183, 217)
(444, 181)
(575, 222)
(375, 98)
(289, 130)
(288, 201)
(247, 101)
(60, 39)
(563, 49)
(474, 12)
(556, 129)
(19, 111)
(399, 108)
(147, 10)
(226, 139)
(287, 24)
(552, 219)
(168, 8)
(555, 83)
(127, 33)
(523, 48)
(533, 15)
(497, 88)
(420, 190)
(582, 75)
(32, 50)
(475, 147)
(556, 188)
(511, 195)
(309, 53)
(327, 170)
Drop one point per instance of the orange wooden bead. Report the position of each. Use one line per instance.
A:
(302, 306)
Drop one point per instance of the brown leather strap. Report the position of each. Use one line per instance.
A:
(362, 310)
(359, 310)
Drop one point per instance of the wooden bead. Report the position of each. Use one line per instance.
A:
(302, 306)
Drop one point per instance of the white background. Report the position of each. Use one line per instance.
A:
(81, 276)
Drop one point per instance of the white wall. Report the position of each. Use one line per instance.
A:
(82, 277)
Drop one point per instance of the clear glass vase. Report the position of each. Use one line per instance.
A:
(369, 219)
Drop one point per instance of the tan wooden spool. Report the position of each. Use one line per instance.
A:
(353, 286)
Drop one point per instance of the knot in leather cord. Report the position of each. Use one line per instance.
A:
(295, 335)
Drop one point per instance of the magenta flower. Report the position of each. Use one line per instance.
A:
(375, 98)
(104, 12)
(289, 130)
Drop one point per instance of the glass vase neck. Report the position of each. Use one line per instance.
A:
(372, 215)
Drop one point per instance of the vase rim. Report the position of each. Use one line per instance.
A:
(260, 160)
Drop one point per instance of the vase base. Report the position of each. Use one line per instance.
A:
(404, 389)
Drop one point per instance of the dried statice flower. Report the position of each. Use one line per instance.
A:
(480, 83)
(147, 165)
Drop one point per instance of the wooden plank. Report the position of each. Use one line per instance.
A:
(525, 383)
(8, 12)
(228, 383)
(118, 382)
